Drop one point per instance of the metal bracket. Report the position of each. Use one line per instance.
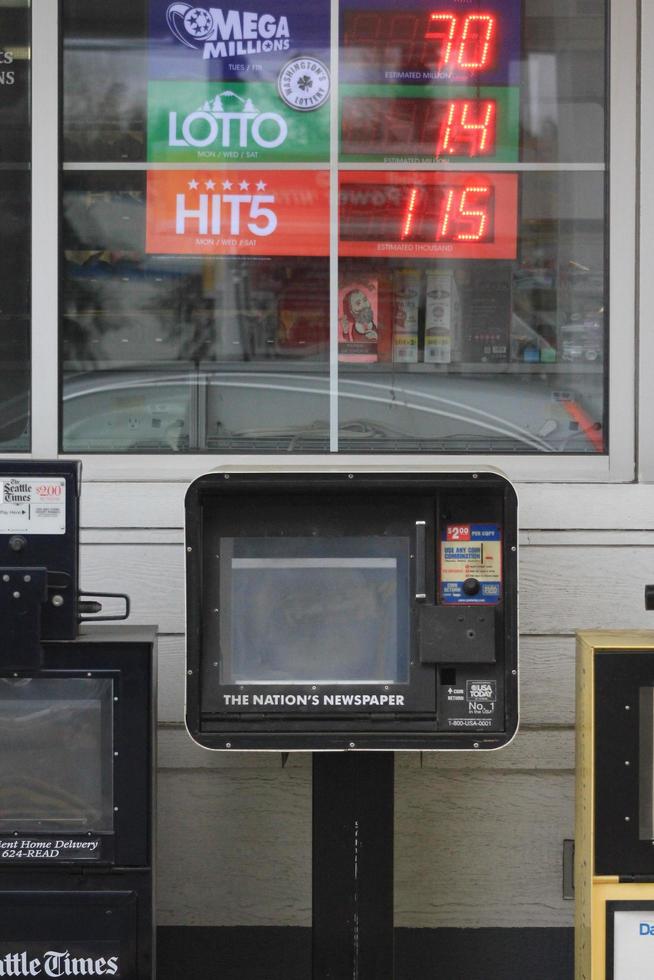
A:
(458, 634)
(568, 870)
(23, 591)
(92, 607)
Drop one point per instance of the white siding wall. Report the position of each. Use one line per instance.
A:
(478, 837)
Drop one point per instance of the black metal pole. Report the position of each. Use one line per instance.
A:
(353, 865)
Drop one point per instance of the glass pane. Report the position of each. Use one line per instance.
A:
(563, 82)
(184, 352)
(14, 225)
(305, 610)
(469, 312)
(104, 80)
(56, 767)
(478, 352)
(646, 764)
(500, 80)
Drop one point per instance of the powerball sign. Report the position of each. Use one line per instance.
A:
(249, 212)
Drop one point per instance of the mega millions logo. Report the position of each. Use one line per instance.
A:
(224, 33)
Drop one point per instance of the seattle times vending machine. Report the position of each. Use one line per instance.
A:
(76, 749)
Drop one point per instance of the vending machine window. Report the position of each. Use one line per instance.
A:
(321, 610)
(56, 766)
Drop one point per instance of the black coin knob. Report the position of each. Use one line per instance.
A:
(17, 543)
(471, 586)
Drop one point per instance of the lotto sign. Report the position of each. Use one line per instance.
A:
(249, 212)
(191, 122)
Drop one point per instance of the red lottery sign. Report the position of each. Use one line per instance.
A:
(234, 212)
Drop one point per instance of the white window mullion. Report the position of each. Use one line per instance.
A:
(646, 298)
(623, 78)
(45, 227)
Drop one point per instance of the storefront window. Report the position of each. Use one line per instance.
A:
(254, 261)
(14, 225)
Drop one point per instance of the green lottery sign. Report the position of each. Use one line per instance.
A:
(202, 122)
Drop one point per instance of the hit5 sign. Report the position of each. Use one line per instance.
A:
(232, 212)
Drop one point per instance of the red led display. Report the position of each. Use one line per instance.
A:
(441, 40)
(429, 127)
(471, 215)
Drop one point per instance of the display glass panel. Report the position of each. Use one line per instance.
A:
(428, 277)
(646, 764)
(57, 759)
(15, 206)
(303, 610)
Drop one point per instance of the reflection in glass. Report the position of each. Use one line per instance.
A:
(14, 225)
(480, 354)
(56, 770)
(155, 346)
(303, 610)
(563, 82)
(104, 80)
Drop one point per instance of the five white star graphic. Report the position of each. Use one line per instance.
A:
(244, 185)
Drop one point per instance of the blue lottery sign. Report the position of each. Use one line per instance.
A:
(241, 41)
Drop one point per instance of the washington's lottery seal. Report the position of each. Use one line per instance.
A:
(304, 84)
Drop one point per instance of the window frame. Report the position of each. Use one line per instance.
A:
(619, 465)
(646, 248)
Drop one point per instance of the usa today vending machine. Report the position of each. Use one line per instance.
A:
(333, 612)
(76, 749)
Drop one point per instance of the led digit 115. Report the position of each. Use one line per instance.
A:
(427, 214)
(404, 213)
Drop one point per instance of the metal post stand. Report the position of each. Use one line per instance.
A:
(353, 866)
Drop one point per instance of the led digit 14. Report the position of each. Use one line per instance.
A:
(434, 127)
(462, 128)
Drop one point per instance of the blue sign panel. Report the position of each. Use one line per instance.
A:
(240, 41)
(471, 564)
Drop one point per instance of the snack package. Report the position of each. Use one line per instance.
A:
(442, 318)
(406, 313)
(358, 320)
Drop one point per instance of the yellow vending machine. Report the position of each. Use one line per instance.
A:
(614, 853)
